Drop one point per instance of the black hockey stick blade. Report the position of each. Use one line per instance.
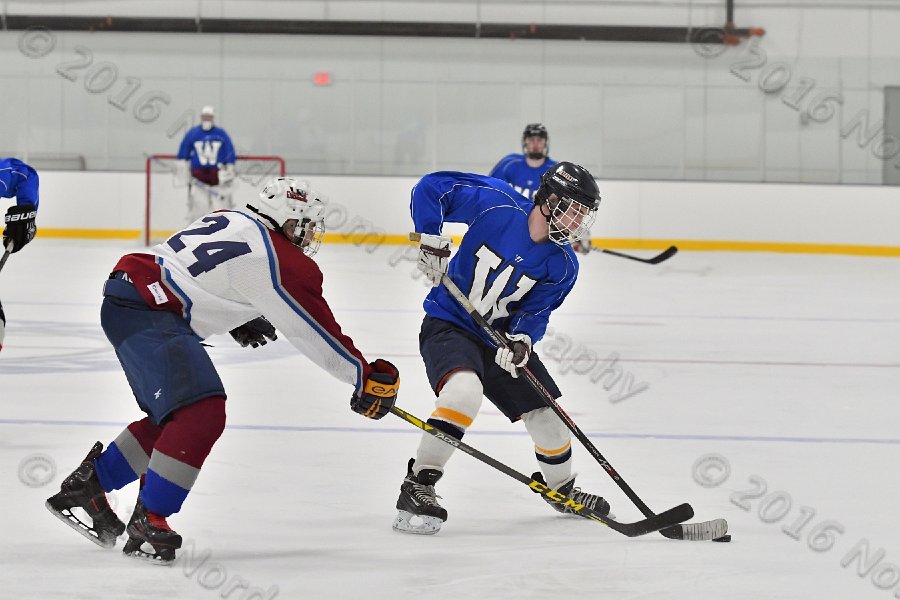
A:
(665, 519)
(664, 255)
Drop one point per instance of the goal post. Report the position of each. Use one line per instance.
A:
(166, 207)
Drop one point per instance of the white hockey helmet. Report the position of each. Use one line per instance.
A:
(284, 199)
(207, 116)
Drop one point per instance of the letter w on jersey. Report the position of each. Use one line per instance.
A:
(207, 151)
(489, 301)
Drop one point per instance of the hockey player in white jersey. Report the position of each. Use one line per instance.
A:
(221, 274)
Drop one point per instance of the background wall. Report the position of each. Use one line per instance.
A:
(405, 106)
(373, 211)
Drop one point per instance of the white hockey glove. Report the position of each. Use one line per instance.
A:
(434, 257)
(182, 172)
(226, 174)
(582, 246)
(516, 353)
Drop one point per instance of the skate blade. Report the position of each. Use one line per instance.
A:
(145, 552)
(424, 525)
(67, 517)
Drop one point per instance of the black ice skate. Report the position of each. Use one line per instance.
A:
(591, 501)
(150, 538)
(82, 490)
(418, 501)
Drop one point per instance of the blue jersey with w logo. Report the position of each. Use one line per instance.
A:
(513, 281)
(206, 149)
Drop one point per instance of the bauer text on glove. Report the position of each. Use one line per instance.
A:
(20, 227)
(379, 392)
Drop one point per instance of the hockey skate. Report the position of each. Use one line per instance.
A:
(82, 490)
(150, 538)
(591, 501)
(418, 502)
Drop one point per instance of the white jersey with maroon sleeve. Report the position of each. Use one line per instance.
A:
(227, 268)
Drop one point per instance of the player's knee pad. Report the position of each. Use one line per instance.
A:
(193, 430)
(459, 400)
(552, 441)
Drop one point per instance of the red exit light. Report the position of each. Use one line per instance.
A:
(322, 78)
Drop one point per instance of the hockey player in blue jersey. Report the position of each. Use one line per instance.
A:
(524, 171)
(209, 156)
(516, 265)
(19, 181)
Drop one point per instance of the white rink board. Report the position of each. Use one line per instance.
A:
(865, 215)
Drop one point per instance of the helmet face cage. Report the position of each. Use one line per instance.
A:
(572, 198)
(535, 130)
(569, 220)
(284, 199)
(309, 231)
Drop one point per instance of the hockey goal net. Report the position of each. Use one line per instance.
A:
(166, 210)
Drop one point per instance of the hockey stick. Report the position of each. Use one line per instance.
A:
(669, 518)
(3, 260)
(664, 255)
(2, 315)
(5, 254)
(706, 530)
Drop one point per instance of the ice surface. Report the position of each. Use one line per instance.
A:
(787, 367)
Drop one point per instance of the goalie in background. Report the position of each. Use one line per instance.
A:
(159, 306)
(206, 164)
(516, 265)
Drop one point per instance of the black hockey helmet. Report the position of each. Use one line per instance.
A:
(571, 184)
(536, 130)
